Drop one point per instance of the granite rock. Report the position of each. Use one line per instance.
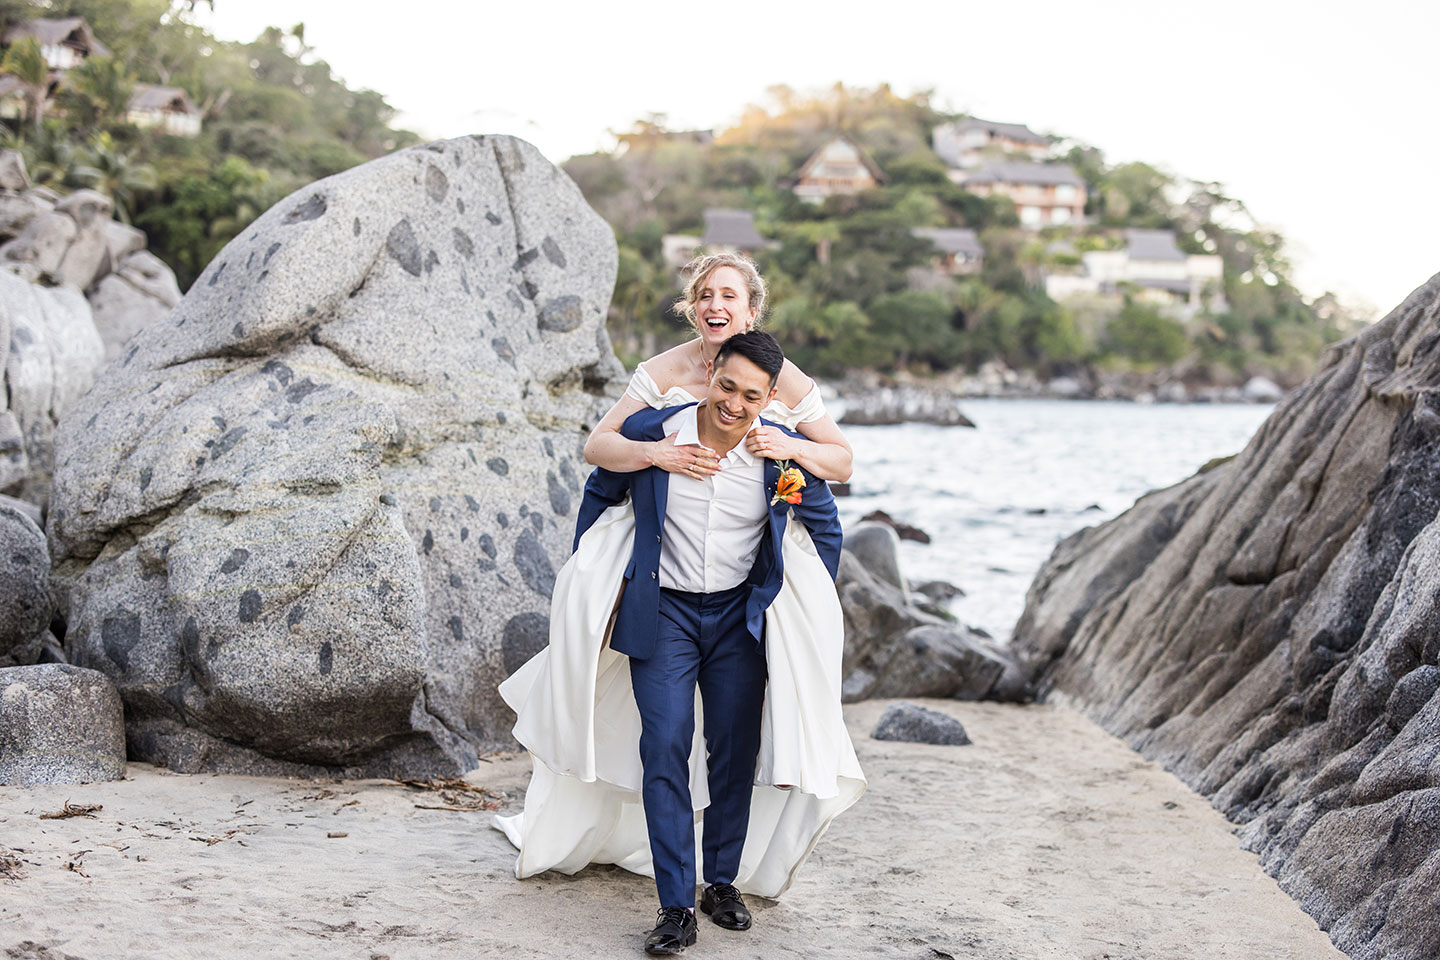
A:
(59, 724)
(141, 292)
(1270, 632)
(53, 355)
(897, 648)
(912, 723)
(25, 605)
(877, 546)
(311, 519)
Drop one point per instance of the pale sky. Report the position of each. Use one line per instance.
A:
(1318, 115)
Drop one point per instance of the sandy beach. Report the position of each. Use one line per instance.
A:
(1046, 839)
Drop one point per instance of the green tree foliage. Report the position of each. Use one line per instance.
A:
(24, 62)
(851, 285)
(1145, 337)
(275, 118)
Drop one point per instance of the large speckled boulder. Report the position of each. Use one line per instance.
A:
(309, 521)
(52, 355)
(1270, 631)
(59, 724)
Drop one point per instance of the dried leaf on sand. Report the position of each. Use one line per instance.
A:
(456, 794)
(73, 810)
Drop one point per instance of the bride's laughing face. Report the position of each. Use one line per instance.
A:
(723, 309)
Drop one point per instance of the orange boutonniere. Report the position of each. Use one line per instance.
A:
(790, 484)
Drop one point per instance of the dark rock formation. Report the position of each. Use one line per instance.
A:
(25, 606)
(896, 647)
(891, 405)
(310, 521)
(903, 529)
(1270, 630)
(913, 723)
(59, 724)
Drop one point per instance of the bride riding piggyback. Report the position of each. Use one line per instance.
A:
(701, 583)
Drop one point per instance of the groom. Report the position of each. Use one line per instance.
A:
(706, 565)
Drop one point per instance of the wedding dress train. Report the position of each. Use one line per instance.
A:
(577, 715)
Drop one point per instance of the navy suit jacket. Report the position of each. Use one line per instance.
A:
(637, 623)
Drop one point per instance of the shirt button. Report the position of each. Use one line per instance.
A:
(652, 574)
(657, 538)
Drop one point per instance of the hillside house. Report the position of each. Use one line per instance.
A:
(965, 144)
(63, 43)
(1045, 194)
(838, 168)
(168, 108)
(726, 231)
(1153, 268)
(959, 249)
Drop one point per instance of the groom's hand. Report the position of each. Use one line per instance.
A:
(691, 459)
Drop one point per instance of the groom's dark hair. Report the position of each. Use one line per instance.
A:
(756, 346)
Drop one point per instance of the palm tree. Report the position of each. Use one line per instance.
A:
(96, 92)
(25, 63)
(112, 173)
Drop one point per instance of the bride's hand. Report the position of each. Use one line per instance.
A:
(692, 460)
(771, 442)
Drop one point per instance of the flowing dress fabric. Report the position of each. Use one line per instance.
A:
(576, 712)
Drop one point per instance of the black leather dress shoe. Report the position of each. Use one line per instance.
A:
(722, 901)
(674, 931)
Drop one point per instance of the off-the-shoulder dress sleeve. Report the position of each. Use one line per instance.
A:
(810, 408)
(644, 388)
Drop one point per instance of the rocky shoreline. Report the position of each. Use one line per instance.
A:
(1266, 629)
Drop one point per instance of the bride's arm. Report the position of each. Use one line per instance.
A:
(823, 450)
(605, 447)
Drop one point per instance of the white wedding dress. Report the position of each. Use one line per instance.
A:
(577, 715)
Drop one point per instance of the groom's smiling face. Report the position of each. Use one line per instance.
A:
(738, 391)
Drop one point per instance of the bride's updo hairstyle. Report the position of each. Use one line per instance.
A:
(699, 270)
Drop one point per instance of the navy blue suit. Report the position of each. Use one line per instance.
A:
(676, 640)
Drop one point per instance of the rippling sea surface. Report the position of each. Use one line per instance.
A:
(996, 499)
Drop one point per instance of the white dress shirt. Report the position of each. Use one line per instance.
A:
(713, 525)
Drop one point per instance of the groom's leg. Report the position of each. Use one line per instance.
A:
(664, 685)
(732, 690)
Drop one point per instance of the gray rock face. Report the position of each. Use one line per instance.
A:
(912, 723)
(877, 547)
(53, 355)
(310, 521)
(67, 245)
(894, 648)
(141, 292)
(25, 607)
(59, 724)
(1270, 631)
(892, 405)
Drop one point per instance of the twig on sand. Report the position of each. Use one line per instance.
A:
(10, 866)
(73, 810)
(456, 795)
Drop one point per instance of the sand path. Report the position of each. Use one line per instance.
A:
(1046, 839)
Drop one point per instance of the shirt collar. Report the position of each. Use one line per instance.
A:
(689, 432)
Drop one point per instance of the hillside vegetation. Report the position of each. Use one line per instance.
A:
(851, 284)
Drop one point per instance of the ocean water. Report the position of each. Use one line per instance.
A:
(996, 499)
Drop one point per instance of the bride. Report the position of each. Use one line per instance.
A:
(576, 712)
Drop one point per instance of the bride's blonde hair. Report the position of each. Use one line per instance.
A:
(699, 270)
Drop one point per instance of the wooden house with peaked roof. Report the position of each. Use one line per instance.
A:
(168, 108)
(838, 168)
(64, 43)
(957, 249)
(1045, 194)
